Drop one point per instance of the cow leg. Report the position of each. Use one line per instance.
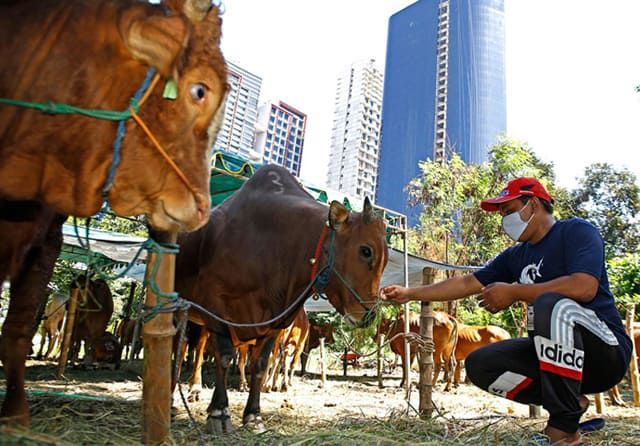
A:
(28, 295)
(195, 382)
(437, 364)
(243, 351)
(53, 342)
(616, 398)
(259, 360)
(43, 338)
(281, 367)
(296, 357)
(219, 419)
(456, 376)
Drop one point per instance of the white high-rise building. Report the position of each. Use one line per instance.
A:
(280, 135)
(355, 136)
(241, 111)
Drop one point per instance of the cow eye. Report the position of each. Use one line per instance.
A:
(365, 252)
(198, 91)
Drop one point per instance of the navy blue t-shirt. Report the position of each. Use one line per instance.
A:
(570, 246)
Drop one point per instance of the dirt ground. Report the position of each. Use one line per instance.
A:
(103, 407)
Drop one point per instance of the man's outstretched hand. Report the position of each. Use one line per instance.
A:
(396, 294)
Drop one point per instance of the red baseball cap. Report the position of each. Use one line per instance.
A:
(519, 187)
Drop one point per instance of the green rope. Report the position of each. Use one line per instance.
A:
(54, 108)
(166, 302)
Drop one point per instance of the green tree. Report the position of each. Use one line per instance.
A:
(610, 199)
(624, 281)
(453, 228)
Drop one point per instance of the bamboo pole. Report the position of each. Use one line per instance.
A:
(69, 324)
(158, 335)
(633, 367)
(425, 408)
(380, 366)
(323, 374)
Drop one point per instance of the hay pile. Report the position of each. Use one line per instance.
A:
(104, 407)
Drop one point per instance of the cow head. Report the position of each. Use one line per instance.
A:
(184, 46)
(361, 256)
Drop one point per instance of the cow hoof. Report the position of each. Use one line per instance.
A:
(254, 423)
(219, 422)
(194, 396)
(244, 388)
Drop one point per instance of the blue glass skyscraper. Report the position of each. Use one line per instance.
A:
(444, 90)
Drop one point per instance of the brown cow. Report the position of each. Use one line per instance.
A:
(95, 308)
(251, 264)
(445, 336)
(316, 332)
(95, 55)
(289, 350)
(51, 326)
(471, 338)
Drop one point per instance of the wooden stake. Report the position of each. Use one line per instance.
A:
(425, 407)
(633, 367)
(68, 331)
(158, 336)
(380, 364)
(323, 375)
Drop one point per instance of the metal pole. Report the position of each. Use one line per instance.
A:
(158, 336)
(407, 349)
(425, 408)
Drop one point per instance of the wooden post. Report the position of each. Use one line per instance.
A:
(425, 408)
(344, 361)
(633, 367)
(323, 374)
(380, 356)
(158, 335)
(68, 331)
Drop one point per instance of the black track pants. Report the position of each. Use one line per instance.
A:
(569, 352)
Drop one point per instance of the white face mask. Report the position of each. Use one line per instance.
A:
(513, 224)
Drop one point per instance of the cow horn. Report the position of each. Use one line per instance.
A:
(367, 211)
(197, 10)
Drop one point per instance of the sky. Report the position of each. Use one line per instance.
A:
(571, 68)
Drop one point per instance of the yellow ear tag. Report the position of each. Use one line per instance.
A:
(170, 90)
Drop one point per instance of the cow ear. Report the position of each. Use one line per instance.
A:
(156, 41)
(367, 211)
(338, 215)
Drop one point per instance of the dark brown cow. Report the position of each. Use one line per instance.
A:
(313, 341)
(51, 326)
(95, 55)
(95, 308)
(125, 333)
(251, 263)
(471, 338)
(107, 349)
(445, 336)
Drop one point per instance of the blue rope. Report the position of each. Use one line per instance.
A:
(117, 143)
(322, 279)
